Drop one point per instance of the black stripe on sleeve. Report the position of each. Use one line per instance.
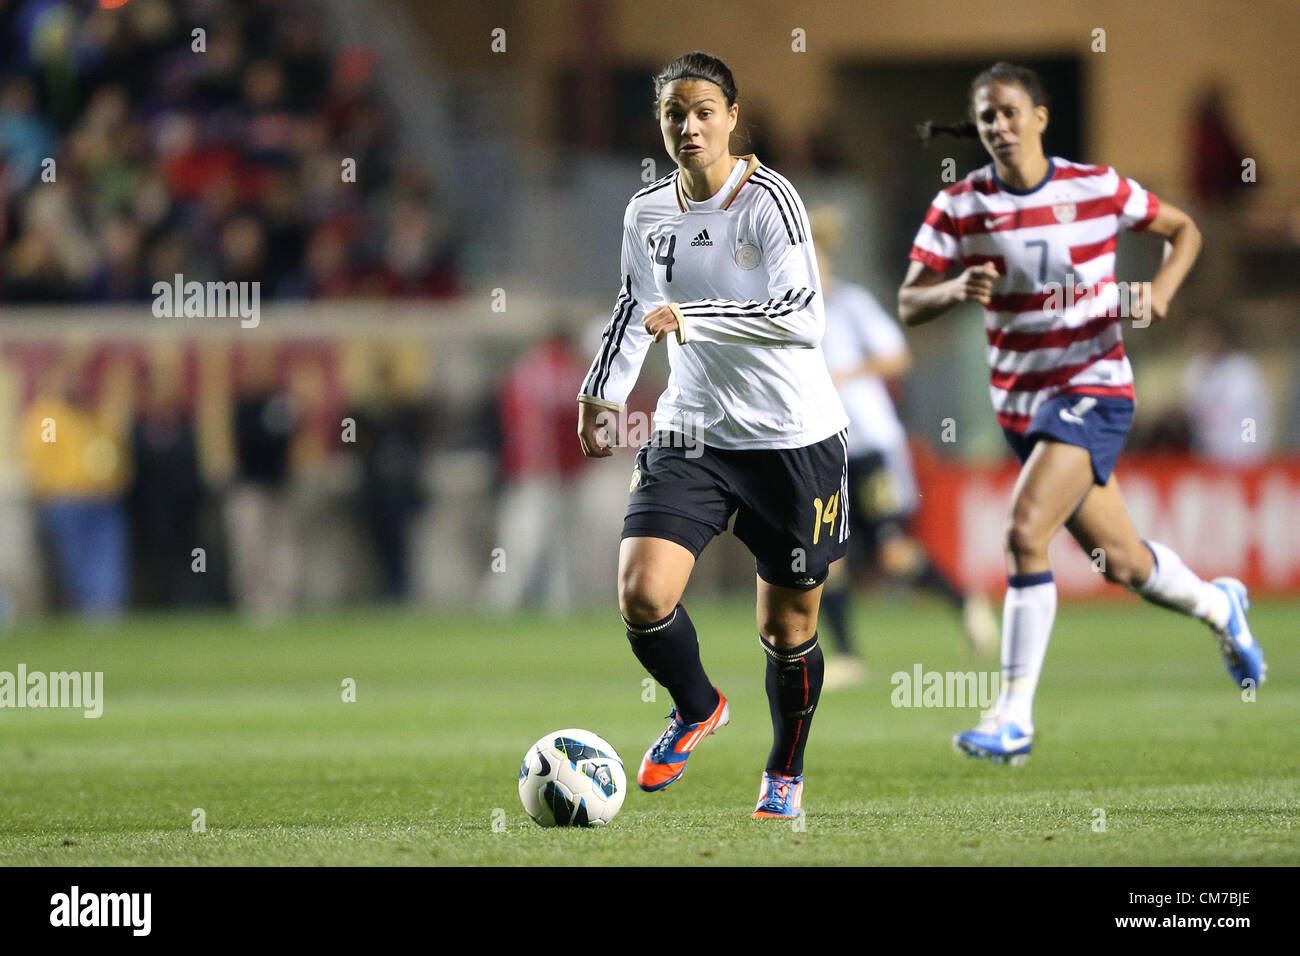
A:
(789, 206)
(617, 336)
(783, 193)
(610, 341)
(657, 185)
(776, 200)
(593, 376)
(793, 301)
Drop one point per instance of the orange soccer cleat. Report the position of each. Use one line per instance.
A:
(665, 761)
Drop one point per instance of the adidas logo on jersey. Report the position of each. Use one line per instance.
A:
(702, 239)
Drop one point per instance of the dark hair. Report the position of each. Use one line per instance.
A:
(696, 66)
(1000, 72)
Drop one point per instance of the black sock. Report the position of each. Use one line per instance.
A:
(794, 682)
(932, 579)
(835, 609)
(670, 651)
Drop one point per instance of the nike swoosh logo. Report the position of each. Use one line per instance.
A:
(546, 764)
(994, 223)
(1076, 412)
(1009, 743)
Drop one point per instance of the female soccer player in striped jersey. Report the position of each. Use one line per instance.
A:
(1034, 237)
(718, 261)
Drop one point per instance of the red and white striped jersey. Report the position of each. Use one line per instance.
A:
(1053, 324)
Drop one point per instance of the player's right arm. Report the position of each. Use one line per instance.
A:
(623, 347)
(927, 292)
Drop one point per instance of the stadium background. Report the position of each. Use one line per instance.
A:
(399, 587)
(494, 147)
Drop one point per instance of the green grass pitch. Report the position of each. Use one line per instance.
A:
(1136, 716)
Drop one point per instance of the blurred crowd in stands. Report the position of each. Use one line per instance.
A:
(224, 140)
(146, 491)
(225, 155)
(236, 140)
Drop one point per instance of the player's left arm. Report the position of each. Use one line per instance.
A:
(1178, 229)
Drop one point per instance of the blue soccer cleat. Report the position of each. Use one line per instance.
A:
(1242, 654)
(779, 797)
(996, 740)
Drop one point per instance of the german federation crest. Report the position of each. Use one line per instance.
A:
(747, 255)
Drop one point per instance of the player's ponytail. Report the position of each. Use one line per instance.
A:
(696, 66)
(927, 130)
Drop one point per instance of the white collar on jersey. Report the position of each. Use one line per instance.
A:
(740, 173)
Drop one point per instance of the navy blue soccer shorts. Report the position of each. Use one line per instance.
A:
(790, 504)
(1099, 423)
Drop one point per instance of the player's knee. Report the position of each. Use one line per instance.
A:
(1119, 567)
(787, 627)
(901, 556)
(1023, 538)
(642, 602)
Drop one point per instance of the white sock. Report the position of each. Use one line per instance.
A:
(1173, 585)
(1028, 612)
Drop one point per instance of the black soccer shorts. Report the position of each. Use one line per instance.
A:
(790, 504)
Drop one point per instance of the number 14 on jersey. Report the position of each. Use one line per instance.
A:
(826, 514)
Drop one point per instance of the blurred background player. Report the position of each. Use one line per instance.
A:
(1228, 407)
(867, 355)
(539, 470)
(1061, 384)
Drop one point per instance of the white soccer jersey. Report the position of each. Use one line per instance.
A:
(858, 329)
(1061, 231)
(747, 370)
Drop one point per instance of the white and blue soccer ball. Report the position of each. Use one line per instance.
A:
(572, 778)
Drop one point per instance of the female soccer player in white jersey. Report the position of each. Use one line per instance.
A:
(718, 262)
(1034, 237)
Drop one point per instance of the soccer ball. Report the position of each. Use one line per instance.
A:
(572, 778)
